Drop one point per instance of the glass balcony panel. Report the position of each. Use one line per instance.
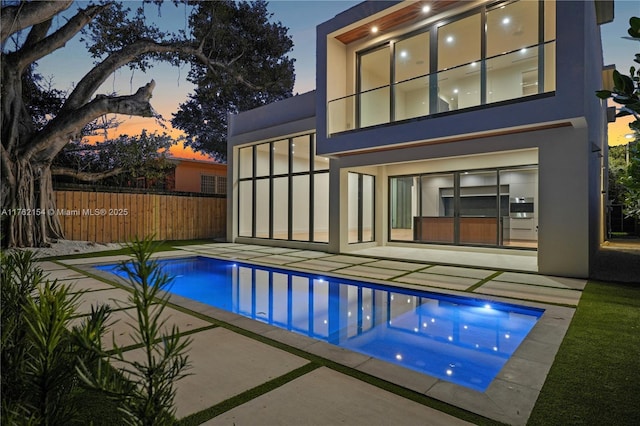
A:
(459, 88)
(412, 98)
(549, 66)
(513, 75)
(342, 114)
(374, 107)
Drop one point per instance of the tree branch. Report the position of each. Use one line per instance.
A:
(85, 176)
(38, 32)
(50, 140)
(34, 51)
(28, 14)
(98, 75)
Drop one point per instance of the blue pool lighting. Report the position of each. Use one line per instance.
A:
(463, 340)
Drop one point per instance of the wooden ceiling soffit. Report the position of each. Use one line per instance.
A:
(401, 16)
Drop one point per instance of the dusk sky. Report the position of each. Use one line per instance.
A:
(67, 66)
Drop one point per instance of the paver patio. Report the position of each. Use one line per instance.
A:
(227, 363)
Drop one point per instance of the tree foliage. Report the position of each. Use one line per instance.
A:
(626, 93)
(242, 31)
(145, 387)
(232, 43)
(117, 162)
(39, 350)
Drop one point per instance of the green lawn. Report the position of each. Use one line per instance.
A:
(595, 379)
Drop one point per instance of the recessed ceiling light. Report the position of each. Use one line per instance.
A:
(403, 54)
(426, 9)
(449, 39)
(506, 20)
(374, 29)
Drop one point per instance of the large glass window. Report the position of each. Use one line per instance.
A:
(374, 79)
(262, 208)
(300, 220)
(245, 211)
(281, 216)
(490, 54)
(403, 193)
(436, 221)
(279, 201)
(494, 207)
(411, 66)
(361, 207)
(512, 39)
(246, 162)
(459, 42)
(321, 207)
(280, 157)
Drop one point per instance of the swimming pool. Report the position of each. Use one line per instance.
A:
(458, 339)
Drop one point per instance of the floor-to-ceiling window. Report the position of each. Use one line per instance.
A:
(361, 207)
(490, 54)
(283, 191)
(373, 82)
(489, 207)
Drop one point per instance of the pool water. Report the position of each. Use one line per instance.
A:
(458, 339)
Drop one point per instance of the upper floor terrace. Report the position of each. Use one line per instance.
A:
(387, 63)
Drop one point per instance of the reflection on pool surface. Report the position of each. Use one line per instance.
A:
(458, 339)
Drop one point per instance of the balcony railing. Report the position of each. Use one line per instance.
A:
(511, 75)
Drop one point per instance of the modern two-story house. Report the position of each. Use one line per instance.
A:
(467, 127)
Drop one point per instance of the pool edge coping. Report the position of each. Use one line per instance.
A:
(508, 398)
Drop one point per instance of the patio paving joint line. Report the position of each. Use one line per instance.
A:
(248, 395)
(483, 282)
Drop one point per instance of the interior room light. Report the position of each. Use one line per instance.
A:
(523, 50)
(449, 39)
(426, 8)
(449, 372)
(473, 64)
(374, 29)
(506, 21)
(399, 357)
(403, 54)
(455, 90)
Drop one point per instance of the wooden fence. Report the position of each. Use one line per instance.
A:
(106, 217)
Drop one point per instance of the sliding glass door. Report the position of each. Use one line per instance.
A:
(493, 207)
(361, 207)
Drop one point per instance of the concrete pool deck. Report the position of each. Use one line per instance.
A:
(233, 355)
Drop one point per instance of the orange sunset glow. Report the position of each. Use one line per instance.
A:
(133, 126)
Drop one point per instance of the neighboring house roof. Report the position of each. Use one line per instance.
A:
(178, 160)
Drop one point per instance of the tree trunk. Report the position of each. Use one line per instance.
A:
(30, 219)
